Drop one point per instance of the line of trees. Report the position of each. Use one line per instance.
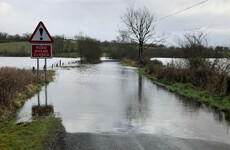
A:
(63, 45)
(5, 37)
(119, 48)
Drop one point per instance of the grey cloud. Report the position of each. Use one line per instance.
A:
(101, 18)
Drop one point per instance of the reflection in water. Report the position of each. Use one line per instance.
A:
(42, 110)
(38, 98)
(136, 110)
(139, 88)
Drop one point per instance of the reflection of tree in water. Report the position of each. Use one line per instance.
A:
(42, 110)
(137, 109)
(222, 118)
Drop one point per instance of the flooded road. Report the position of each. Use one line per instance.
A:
(110, 99)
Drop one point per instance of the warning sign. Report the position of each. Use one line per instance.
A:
(41, 35)
(41, 51)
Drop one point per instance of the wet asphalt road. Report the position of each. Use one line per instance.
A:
(88, 141)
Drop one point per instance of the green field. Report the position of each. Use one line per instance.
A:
(23, 49)
(15, 49)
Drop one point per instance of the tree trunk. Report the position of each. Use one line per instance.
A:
(80, 51)
(140, 51)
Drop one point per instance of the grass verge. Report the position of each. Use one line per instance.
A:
(37, 134)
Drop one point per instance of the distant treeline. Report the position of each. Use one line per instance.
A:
(61, 45)
(5, 37)
(115, 49)
(119, 50)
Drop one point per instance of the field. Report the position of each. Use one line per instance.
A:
(20, 49)
(15, 49)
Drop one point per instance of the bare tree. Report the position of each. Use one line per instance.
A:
(123, 37)
(194, 48)
(140, 25)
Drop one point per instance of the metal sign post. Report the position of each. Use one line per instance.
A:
(46, 94)
(45, 69)
(37, 69)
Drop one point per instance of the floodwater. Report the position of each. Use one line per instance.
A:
(28, 63)
(109, 98)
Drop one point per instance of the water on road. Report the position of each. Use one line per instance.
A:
(109, 98)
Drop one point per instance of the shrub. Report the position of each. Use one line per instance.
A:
(90, 50)
(205, 78)
(152, 66)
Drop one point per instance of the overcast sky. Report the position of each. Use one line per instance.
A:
(101, 18)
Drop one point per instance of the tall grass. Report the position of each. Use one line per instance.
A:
(12, 82)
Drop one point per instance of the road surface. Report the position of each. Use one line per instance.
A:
(89, 141)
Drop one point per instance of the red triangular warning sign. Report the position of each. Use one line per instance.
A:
(41, 35)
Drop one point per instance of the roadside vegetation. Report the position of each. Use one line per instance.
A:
(17, 85)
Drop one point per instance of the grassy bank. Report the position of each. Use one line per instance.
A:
(217, 101)
(39, 134)
(16, 86)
